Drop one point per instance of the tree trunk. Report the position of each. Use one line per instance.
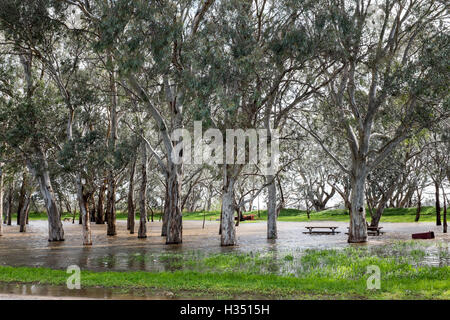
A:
(444, 227)
(438, 205)
(23, 214)
(376, 216)
(271, 209)
(111, 203)
(208, 201)
(42, 175)
(239, 216)
(1, 199)
(404, 203)
(174, 217)
(130, 217)
(308, 213)
(111, 207)
(165, 213)
(381, 206)
(83, 199)
(358, 228)
(10, 198)
(220, 224)
(228, 231)
(27, 210)
(7, 212)
(92, 207)
(445, 217)
(22, 194)
(419, 207)
(100, 219)
(143, 195)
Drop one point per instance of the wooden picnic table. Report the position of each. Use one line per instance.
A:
(311, 230)
(373, 231)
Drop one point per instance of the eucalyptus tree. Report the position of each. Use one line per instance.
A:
(36, 140)
(42, 28)
(142, 233)
(251, 60)
(150, 38)
(194, 175)
(392, 55)
(130, 199)
(296, 41)
(1, 197)
(315, 172)
(32, 100)
(381, 184)
(437, 162)
(225, 90)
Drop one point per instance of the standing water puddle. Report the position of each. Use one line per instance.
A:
(125, 252)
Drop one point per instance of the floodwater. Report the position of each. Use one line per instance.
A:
(119, 253)
(19, 291)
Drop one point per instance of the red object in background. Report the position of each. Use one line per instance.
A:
(425, 235)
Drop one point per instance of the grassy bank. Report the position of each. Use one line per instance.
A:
(314, 274)
(428, 214)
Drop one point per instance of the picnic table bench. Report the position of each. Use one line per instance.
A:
(373, 231)
(332, 230)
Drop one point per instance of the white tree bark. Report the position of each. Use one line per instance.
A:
(84, 211)
(42, 175)
(111, 203)
(23, 213)
(131, 206)
(271, 209)
(174, 216)
(142, 233)
(228, 231)
(1, 199)
(358, 227)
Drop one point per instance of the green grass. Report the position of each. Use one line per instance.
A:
(428, 214)
(313, 274)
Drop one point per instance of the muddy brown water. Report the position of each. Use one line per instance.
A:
(119, 253)
(26, 291)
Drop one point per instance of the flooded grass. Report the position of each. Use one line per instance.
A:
(335, 272)
(299, 262)
(295, 266)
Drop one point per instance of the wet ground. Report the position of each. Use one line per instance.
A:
(27, 291)
(126, 252)
(118, 253)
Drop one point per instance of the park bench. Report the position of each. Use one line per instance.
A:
(332, 230)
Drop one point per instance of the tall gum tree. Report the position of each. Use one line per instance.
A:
(124, 29)
(391, 54)
(251, 63)
(43, 40)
